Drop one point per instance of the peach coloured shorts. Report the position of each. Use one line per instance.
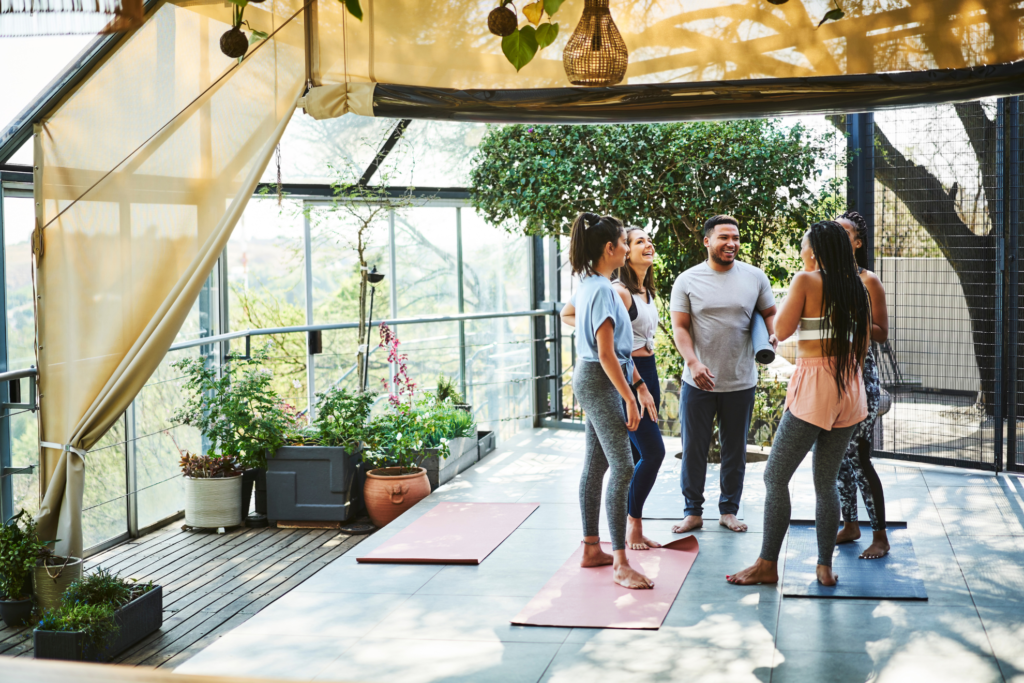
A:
(812, 395)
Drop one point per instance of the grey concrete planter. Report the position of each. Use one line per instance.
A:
(465, 453)
(488, 442)
(136, 620)
(311, 483)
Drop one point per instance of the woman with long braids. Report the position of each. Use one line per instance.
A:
(857, 469)
(634, 283)
(602, 380)
(825, 400)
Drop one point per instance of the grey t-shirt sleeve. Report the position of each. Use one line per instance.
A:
(602, 307)
(765, 298)
(679, 302)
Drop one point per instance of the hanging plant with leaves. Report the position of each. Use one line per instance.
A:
(234, 43)
(521, 44)
(832, 15)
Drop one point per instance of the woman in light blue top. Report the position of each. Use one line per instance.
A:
(602, 381)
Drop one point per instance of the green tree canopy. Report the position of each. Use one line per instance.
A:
(667, 177)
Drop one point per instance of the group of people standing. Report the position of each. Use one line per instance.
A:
(835, 307)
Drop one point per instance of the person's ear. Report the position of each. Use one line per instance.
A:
(707, 242)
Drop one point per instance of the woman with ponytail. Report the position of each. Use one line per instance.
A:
(602, 381)
(857, 470)
(826, 398)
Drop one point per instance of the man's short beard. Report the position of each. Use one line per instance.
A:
(717, 259)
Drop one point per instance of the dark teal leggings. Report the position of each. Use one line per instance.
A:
(646, 442)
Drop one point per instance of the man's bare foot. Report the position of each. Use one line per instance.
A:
(627, 576)
(879, 546)
(593, 555)
(850, 532)
(730, 522)
(825, 576)
(689, 523)
(762, 571)
(635, 539)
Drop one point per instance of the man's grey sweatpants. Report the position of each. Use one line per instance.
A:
(607, 447)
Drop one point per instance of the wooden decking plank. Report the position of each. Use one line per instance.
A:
(134, 545)
(197, 540)
(143, 559)
(10, 645)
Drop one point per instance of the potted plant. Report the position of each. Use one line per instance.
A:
(396, 482)
(20, 548)
(213, 490)
(52, 576)
(310, 477)
(449, 439)
(239, 414)
(100, 616)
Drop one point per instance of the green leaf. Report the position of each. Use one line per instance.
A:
(832, 15)
(546, 34)
(354, 9)
(257, 36)
(520, 46)
(551, 6)
(240, 3)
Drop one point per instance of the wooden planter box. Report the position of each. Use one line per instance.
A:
(465, 453)
(311, 483)
(136, 620)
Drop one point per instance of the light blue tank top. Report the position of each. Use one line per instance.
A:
(595, 302)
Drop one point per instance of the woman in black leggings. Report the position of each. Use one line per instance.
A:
(857, 470)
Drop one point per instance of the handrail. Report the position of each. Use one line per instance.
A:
(206, 341)
(18, 374)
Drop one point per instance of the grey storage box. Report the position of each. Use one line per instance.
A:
(464, 454)
(488, 441)
(136, 620)
(312, 484)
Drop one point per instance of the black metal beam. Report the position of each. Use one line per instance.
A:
(860, 175)
(384, 151)
(327, 191)
(1011, 221)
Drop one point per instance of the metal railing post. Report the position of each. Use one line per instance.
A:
(1011, 218)
(998, 230)
(6, 486)
(307, 237)
(462, 303)
(860, 174)
(539, 357)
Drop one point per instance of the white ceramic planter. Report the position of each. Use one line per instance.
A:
(213, 503)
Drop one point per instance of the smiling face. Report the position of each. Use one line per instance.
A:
(615, 253)
(641, 249)
(723, 244)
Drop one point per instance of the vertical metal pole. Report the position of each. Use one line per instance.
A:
(999, 229)
(462, 304)
(554, 296)
(392, 280)
(1012, 189)
(224, 315)
(860, 175)
(539, 358)
(131, 471)
(310, 358)
(6, 487)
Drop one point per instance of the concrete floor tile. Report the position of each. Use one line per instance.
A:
(492, 579)
(289, 657)
(426, 661)
(341, 615)
(352, 577)
(818, 667)
(1005, 629)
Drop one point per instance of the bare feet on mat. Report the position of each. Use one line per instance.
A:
(849, 532)
(635, 539)
(630, 578)
(730, 522)
(879, 546)
(689, 523)
(762, 571)
(826, 577)
(593, 555)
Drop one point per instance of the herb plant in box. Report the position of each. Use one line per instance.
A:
(99, 616)
(449, 439)
(311, 476)
(20, 548)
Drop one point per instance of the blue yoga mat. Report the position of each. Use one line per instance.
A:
(763, 351)
(894, 577)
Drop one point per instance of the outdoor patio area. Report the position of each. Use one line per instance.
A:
(451, 623)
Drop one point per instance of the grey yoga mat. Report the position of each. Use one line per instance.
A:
(763, 351)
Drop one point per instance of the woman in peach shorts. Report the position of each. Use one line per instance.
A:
(825, 399)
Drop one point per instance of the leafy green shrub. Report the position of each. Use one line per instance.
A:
(398, 437)
(342, 417)
(101, 587)
(769, 404)
(20, 548)
(95, 621)
(447, 390)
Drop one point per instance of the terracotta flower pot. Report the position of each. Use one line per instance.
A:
(388, 494)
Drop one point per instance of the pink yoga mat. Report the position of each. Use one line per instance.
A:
(588, 598)
(453, 533)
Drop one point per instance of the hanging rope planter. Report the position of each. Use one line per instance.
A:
(24, 18)
(595, 54)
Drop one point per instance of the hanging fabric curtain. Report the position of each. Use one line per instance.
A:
(687, 60)
(138, 189)
(21, 18)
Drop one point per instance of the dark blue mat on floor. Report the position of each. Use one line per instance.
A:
(894, 577)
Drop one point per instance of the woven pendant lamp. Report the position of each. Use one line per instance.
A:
(595, 54)
(22, 18)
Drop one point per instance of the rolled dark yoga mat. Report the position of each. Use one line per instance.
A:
(763, 351)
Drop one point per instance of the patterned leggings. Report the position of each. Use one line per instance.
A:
(857, 470)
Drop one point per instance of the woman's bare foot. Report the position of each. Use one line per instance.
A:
(635, 538)
(879, 546)
(762, 571)
(731, 523)
(825, 575)
(689, 523)
(627, 576)
(850, 532)
(593, 555)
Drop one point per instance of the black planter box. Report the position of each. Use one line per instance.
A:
(311, 484)
(136, 620)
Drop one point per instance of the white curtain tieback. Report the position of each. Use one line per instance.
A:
(62, 447)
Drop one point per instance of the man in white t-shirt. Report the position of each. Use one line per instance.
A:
(711, 308)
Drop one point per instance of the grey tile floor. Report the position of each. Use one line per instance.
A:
(420, 624)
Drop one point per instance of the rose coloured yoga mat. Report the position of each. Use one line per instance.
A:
(453, 533)
(588, 598)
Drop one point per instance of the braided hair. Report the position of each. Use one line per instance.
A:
(861, 224)
(590, 233)
(845, 307)
(627, 276)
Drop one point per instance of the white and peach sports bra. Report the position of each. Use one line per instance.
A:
(811, 329)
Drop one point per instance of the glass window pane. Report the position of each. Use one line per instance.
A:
(425, 260)
(495, 267)
(104, 508)
(19, 221)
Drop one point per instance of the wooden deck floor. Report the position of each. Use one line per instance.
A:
(211, 583)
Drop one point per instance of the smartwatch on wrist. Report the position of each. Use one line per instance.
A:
(635, 385)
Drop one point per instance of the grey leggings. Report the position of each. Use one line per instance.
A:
(792, 441)
(607, 446)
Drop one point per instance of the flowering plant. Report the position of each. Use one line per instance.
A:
(342, 417)
(403, 386)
